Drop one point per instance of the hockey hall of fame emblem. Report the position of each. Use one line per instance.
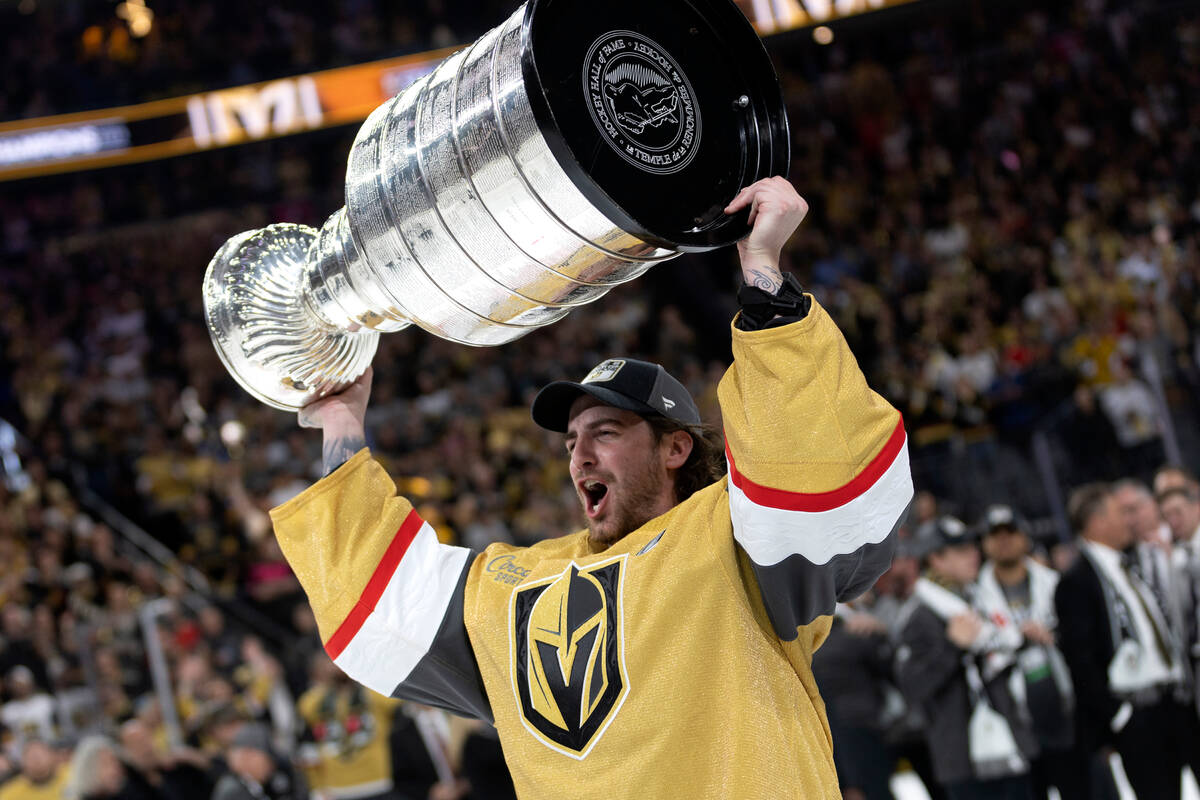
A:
(567, 649)
(642, 102)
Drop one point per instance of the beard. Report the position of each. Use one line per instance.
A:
(1009, 562)
(631, 505)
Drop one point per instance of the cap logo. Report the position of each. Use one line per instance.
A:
(605, 371)
(668, 403)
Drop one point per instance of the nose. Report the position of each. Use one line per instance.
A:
(582, 455)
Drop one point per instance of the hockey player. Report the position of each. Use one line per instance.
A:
(665, 649)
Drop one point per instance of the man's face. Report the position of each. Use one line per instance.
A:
(138, 742)
(1109, 526)
(1182, 516)
(958, 563)
(250, 762)
(1139, 512)
(20, 685)
(110, 775)
(37, 762)
(1170, 479)
(1005, 546)
(620, 473)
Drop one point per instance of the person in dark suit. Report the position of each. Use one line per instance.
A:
(1127, 673)
(256, 771)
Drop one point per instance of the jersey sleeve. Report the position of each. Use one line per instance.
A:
(387, 595)
(819, 478)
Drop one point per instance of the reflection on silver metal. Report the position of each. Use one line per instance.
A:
(458, 219)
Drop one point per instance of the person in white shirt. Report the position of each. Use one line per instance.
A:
(29, 714)
(1014, 591)
(1152, 540)
(1181, 509)
(1134, 413)
(1124, 665)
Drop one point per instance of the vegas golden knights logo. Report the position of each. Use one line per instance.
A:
(568, 659)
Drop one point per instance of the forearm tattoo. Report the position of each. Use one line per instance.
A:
(337, 451)
(766, 279)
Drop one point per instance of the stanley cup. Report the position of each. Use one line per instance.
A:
(564, 152)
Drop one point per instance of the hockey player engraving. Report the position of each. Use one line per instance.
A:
(652, 106)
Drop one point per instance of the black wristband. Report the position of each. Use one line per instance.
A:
(765, 310)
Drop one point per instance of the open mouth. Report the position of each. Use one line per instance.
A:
(594, 493)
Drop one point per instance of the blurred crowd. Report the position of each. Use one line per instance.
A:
(1005, 223)
(75, 55)
(995, 663)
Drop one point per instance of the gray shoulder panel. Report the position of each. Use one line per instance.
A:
(448, 675)
(797, 591)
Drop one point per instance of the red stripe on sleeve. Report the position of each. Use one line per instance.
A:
(375, 586)
(820, 501)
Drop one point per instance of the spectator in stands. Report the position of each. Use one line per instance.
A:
(483, 768)
(17, 643)
(955, 666)
(256, 772)
(853, 669)
(224, 644)
(344, 748)
(904, 723)
(96, 772)
(302, 649)
(1018, 592)
(214, 731)
(1118, 646)
(1151, 546)
(181, 774)
(1170, 476)
(1093, 441)
(270, 581)
(41, 776)
(1134, 413)
(29, 714)
(1181, 508)
(265, 693)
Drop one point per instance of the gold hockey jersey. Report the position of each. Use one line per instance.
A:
(675, 662)
(345, 752)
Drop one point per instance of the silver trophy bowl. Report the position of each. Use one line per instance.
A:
(563, 153)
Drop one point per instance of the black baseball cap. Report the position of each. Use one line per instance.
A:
(938, 534)
(1001, 517)
(637, 386)
(253, 736)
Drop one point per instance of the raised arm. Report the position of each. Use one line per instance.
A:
(388, 597)
(341, 420)
(818, 466)
(775, 211)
